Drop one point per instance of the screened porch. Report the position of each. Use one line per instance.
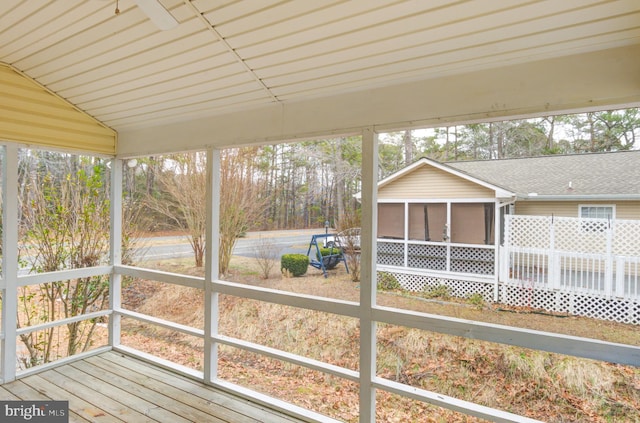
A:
(102, 79)
(451, 239)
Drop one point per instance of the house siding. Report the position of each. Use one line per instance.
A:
(624, 209)
(429, 183)
(33, 115)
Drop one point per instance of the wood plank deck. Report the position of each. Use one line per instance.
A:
(111, 387)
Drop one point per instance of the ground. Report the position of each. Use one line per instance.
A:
(541, 385)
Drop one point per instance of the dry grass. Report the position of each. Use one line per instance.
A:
(545, 386)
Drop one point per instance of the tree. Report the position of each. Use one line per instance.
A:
(240, 201)
(350, 241)
(407, 141)
(65, 224)
(180, 197)
(611, 130)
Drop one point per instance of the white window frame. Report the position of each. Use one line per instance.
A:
(611, 206)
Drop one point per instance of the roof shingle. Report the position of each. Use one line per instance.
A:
(615, 173)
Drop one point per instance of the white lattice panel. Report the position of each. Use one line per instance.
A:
(626, 240)
(614, 309)
(432, 257)
(524, 295)
(478, 261)
(527, 231)
(580, 235)
(619, 237)
(390, 253)
(457, 288)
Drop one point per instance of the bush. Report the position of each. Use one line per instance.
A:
(330, 251)
(388, 282)
(441, 291)
(294, 264)
(477, 300)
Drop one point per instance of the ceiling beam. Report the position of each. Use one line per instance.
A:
(599, 80)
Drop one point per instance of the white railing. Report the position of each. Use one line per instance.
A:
(469, 259)
(588, 257)
(442, 324)
(598, 275)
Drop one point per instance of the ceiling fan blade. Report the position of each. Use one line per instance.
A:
(157, 14)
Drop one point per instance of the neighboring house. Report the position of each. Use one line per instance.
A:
(459, 223)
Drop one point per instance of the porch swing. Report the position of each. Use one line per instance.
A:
(326, 262)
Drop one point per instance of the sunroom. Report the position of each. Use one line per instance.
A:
(436, 221)
(128, 79)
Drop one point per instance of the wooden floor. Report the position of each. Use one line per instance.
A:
(111, 387)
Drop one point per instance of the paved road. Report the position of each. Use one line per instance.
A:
(283, 242)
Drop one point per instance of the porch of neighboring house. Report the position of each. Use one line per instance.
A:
(427, 243)
(588, 267)
(110, 387)
(563, 265)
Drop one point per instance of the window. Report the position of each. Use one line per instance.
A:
(598, 212)
(472, 223)
(391, 220)
(597, 217)
(427, 222)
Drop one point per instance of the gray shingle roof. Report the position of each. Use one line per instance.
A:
(615, 174)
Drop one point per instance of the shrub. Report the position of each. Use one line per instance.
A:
(388, 282)
(330, 251)
(266, 255)
(477, 300)
(441, 291)
(294, 264)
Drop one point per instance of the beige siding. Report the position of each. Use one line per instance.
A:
(30, 114)
(430, 182)
(624, 209)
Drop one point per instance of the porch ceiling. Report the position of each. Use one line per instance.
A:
(298, 68)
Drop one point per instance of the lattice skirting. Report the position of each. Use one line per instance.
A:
(457, 287)
(613, 309)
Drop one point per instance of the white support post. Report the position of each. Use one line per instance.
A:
(447, 233)
(115, 251)
(620, 275)
(212, 245)
(368, 275)
(609, 263)
(554, 265)
(506, 251)
(10, 262)
(406, 234)
(496, 250)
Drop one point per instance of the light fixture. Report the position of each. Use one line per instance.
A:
(158, 14)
